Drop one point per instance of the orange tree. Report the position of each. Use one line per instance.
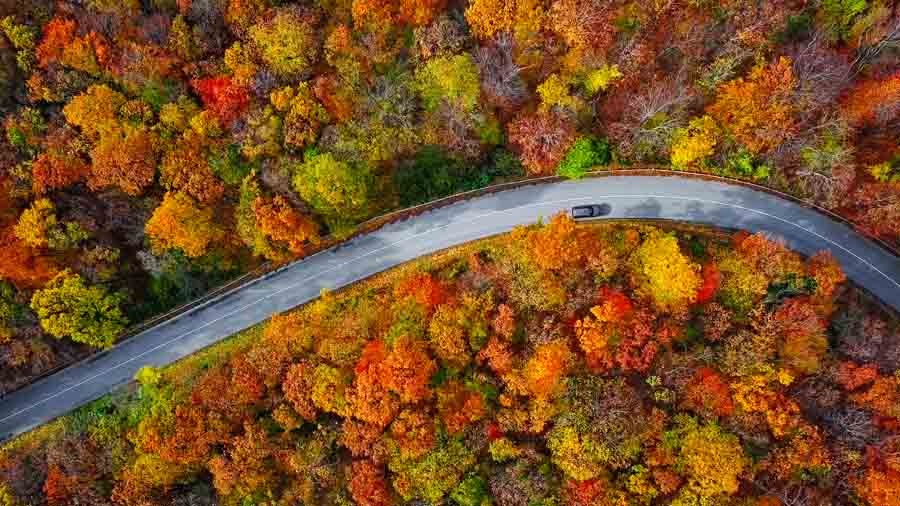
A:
(179, 223)
(758, 110)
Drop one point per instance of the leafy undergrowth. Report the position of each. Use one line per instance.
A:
(560, 364)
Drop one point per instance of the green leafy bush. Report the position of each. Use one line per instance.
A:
(742, 166)
(586, 153)
(432, 175)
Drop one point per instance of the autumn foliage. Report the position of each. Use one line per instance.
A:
(226, 100)
(758, 109)
(440, 380)
(179, 223)
(542, 140)
(153, 150)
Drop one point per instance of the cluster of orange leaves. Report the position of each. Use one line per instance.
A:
(559, 245)
(546, 368)
(51, 171)
(873, 102)
(618, 335)
(756, 394)
(425, 289)
(853, 377)
(179, 223)
(277, 219)
(20, 264)
(880, 485)
(414, 432)
(882, 397)
(459, 406)
(388, 12)
(802, 331)
(186, 169)
(124, 157)
(758, 109)
(805, 450)
(387, 377)
(88, 53)
(368, 486)
(708, 391)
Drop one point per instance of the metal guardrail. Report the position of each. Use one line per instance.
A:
(377, 222)
(652, 171)
(372, 224)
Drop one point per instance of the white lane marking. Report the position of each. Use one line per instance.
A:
(414, 236)
(289, 287)
(820, 236)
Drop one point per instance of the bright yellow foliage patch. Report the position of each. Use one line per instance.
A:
(667, 275)
(179, 223)
(36, 222)
(713, 459)
(600, 79)
(694, 144)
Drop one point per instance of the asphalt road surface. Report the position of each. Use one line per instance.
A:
(655, 197)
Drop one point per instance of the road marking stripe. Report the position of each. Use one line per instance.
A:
(414, 236)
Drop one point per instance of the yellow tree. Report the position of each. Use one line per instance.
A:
(179, 223)
(304, 116)
(36, 223)
(338, 190)
(524, 18)
(67, 307)
(664, 273)
(712, 458)
(691, 146)
(95, 110)
(286, 41)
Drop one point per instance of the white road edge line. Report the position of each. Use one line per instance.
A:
(414, 236)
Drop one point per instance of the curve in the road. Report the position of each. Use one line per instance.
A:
(632, 197)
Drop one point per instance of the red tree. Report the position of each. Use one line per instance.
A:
(222, 97)
(367, 485)
(707, 391)
(712, 279)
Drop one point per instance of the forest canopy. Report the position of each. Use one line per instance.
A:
(153, 150)
(548, 366)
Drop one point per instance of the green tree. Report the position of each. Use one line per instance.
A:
(586, 153)
(67, 307)
(472, 491)
(449, 78)
(340, 191)
(23, 39)
(38, 227)
(838, 16)
(434, 475)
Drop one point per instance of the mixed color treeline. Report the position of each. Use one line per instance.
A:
(559, 365)
(154, 148)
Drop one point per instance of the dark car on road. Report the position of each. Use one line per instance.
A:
(591, 211)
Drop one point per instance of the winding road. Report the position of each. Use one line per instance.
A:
(655, 197)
